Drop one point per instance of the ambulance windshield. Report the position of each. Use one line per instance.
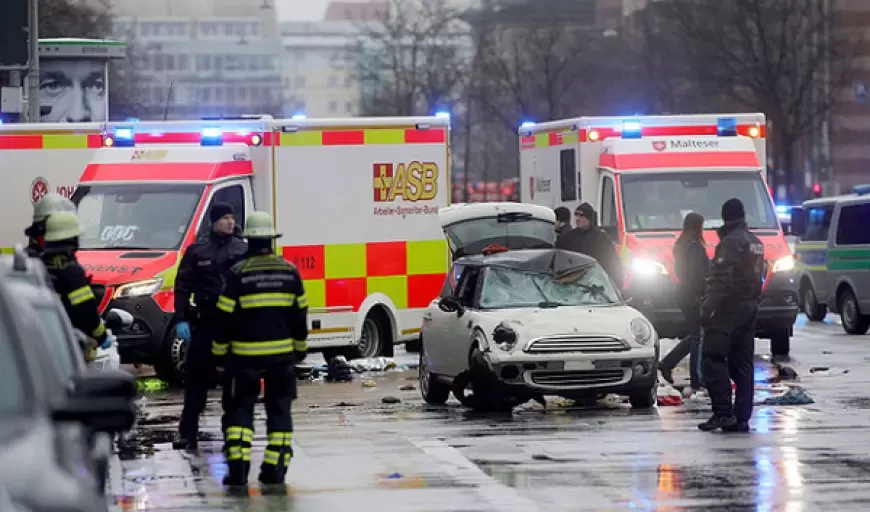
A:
(658, 201)
(119, 217)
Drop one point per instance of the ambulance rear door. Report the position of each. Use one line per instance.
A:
(357, 201)
(36, 159)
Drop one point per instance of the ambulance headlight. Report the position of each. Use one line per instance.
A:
(784, 264)
(139, 288)
(647, 268)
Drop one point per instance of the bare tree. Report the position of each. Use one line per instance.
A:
(412, 62)
(782, 58)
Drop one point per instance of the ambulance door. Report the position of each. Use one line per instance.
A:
(607, 208)
(236, 193)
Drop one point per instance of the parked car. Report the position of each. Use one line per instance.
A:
(518, 319)
(57, 386)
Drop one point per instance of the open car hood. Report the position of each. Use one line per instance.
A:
(471, 228)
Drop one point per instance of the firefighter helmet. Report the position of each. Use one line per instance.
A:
(260, 225)
(61, 226)
(51, 203)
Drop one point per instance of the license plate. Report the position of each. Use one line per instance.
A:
(573, 366)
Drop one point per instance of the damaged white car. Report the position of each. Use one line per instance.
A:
(518, 319)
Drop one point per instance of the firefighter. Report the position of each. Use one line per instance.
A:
(263, 332)
(728, 314)
(48, 204)
(69, 279)
(201, 273)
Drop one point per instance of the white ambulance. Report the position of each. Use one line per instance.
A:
(643, 175)
(356, 199)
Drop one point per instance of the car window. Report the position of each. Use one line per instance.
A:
(818, 223)
(234, 196)
(512, 288)
(451, 280)
(852, 225)
(468, 286)
(58, 337)
(13, 397)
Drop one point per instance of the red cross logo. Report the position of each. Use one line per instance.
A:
(38, 189)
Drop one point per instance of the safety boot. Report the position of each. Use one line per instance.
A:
(717, 422)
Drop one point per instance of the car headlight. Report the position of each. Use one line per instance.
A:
(646, 267)
(139, 288)
(504, 337)
(641, 330)
(784, 264)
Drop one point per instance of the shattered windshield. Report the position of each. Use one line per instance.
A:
(660, 201)
(511, 288)
(136, 216)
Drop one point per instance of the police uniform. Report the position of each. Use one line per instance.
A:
(201, 273)
(728, 313)
(69, 278)
(263, 333)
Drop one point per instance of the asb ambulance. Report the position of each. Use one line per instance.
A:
(643, 175)
(356, 200)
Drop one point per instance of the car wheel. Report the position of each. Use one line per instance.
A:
(853, 321)
(780, 342)
(486, 393)
(815, 312)
(433, 390)
(643, 400)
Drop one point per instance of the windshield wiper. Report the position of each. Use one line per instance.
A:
(548, 304)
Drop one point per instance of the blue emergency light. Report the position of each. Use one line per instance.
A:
(527, 124)
(442, 115)
(631, 130)
(124, 138)
(861, 190)
(726, 127)
(211, 136)
(782, 209)
(298, 117)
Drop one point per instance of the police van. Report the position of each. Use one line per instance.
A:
(833, 258)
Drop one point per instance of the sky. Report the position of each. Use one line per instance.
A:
(302, 9)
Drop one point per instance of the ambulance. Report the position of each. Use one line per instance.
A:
(356, 200)
(643, 175)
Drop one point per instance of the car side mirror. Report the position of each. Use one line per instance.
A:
(118, 318)
(450, 304)
(103, 401)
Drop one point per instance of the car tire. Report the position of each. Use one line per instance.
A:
(815, 312)
(432, 390)
(854, 322)
(644, 400)
(780, 342)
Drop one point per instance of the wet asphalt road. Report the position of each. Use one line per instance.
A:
(354, 452)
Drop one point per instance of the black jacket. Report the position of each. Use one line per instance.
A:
(202, 271)
(74, 288)
(737, 270)
(263, 313)
(596, 243)
(691, 266)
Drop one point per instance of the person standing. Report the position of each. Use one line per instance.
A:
(589, 239)
(563, 220)
(728, 315)
(201, 274)
(35, 232)
(263, 329)
(691, 266)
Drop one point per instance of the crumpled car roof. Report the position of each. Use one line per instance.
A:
(556, 262)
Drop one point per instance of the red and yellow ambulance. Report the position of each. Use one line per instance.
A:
(643, 175)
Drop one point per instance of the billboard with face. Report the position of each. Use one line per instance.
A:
(73, 90)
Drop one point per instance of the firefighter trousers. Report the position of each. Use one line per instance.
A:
(279, 392)
(728, 355)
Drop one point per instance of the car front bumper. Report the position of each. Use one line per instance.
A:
(576, 374)
(656, 298)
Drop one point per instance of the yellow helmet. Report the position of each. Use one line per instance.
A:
(260, 225)
(61, 226)
(51, 203)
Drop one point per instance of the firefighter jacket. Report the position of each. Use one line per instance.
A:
(74, 288)
(263, 313)
(202, 271)
(737, 271)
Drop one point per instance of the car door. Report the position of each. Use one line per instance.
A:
(447, 333)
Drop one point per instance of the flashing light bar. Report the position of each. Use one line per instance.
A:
(861, 190)
(726, 127)
(631, 130)
(211, 136)
(122, 138)
(442, 115)
(298, 117)
(527, 124)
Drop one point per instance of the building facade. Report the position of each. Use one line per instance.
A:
(201, 58)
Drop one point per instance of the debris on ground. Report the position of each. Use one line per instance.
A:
(795, 395)
(559, 401)
(372, 364)
(151, 384)
(828, 352)
(369, 383)
(408, 387)
(347, 404)
(612, 401)
(338, 370)
(786, 373)
(825, 370)
(391, 400)
(668, 395)
(816, 369)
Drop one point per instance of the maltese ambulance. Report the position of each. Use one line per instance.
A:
(356, 201)
(643, 175)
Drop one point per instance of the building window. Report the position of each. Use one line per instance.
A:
(333, 107)
(348, 107)
(333, 82)
(183, 61)
(209, 28)
(348, 81)
(203, 62)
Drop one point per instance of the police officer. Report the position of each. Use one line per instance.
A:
(263, 332)
(48, 204)
(201, 273)
(728, 313)
(69, 279)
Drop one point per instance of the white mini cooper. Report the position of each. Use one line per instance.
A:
(518, 319)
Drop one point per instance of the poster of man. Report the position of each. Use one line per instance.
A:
(73, 79)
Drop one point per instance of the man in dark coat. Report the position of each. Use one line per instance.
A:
(589, 239)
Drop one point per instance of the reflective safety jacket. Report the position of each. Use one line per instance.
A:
(263, 312)
(74, 288)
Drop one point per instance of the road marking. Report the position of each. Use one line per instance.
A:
(458, 466)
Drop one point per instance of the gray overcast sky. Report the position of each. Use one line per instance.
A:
(302, 9)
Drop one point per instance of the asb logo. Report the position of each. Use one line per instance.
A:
(659, 145)
(413, 181)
